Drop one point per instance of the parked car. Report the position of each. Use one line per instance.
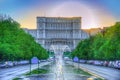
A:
(66, 58)
(23, 62)
(117, 64)
(15, 63)
(90, 61)
(2, 65)
(83, 61)
(9, 64)
(98, 63)
(111, 64)
(102, 62)
(105, 63)
(43, 60)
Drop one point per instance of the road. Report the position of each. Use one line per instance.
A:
(58, 70)
(105, 72)
(10, 73)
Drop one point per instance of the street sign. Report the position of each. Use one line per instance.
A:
(34, 60)
(75, 59)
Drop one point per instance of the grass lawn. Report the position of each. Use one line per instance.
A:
(16, 79)
(37, 71)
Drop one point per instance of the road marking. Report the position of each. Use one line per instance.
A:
(86, 70)
(92, 73)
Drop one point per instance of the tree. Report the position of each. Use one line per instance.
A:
(16, 44)
(100, 47)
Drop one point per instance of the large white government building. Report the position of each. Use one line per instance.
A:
(58, 31)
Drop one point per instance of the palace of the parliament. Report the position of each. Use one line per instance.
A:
(58, 31)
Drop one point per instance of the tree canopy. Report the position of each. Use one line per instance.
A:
(16, 44)
(102, 46)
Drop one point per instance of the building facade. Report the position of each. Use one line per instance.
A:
(58, 31)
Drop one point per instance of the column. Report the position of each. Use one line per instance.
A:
(73, 44)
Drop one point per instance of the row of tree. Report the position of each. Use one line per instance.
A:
(103, 46)
(16, 44)
(66, 54)
(51, 53)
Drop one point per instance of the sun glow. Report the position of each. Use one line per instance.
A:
(91, 17)
(74, 9)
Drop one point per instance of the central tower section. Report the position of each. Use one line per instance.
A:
(59, 31)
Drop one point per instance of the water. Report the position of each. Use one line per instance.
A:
(59, 70)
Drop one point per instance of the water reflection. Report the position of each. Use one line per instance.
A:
(60, 71)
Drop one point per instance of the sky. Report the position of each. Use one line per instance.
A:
(94, 13)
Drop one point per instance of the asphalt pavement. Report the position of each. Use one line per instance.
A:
(104, 72)
(10, 73)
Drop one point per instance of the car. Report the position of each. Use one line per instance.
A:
(2, 65)
(15, 63)
(23, 62)
(66, 58)
(98, 63)
(105, 63)
(43, 60)
(90, 61)
(51, 59)
(83, 61)
(102, 62)
(111, 64)
(9, 64)
(117, 64)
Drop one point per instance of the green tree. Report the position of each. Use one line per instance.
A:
(101, 46)
(16, 44)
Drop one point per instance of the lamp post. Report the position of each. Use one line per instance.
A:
(30, 66)
(78, 64)
(38, 67)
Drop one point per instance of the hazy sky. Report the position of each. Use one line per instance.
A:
(94, 13)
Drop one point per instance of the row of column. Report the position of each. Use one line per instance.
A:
(57, 42)
(59, 34)
(58, 20)
(59, 26)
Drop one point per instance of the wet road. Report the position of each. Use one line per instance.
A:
(10, 73)
(64, 71)
(59, 70)
(105, 72)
